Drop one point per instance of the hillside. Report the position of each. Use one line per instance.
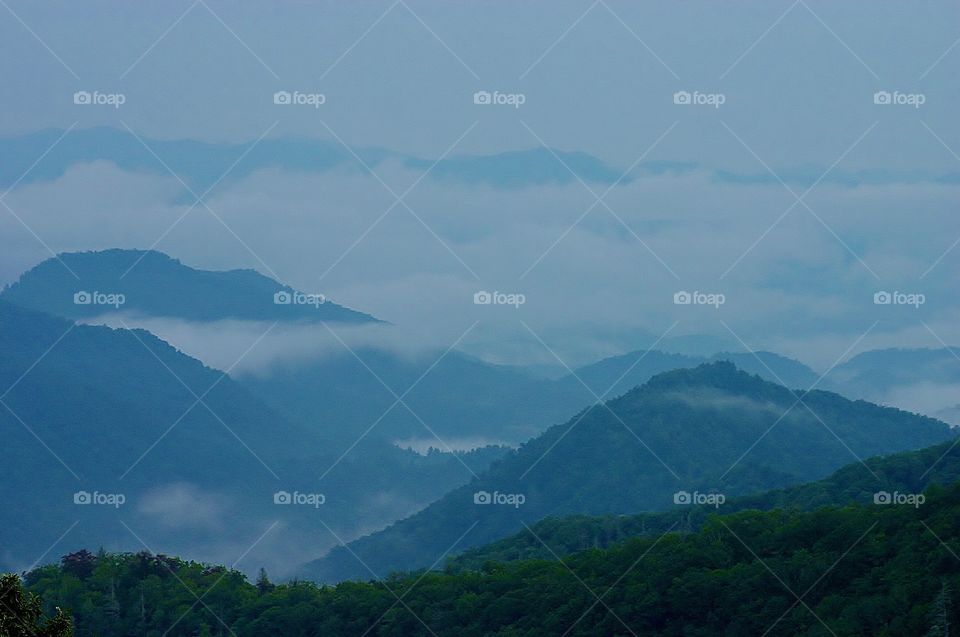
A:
(153, 284)
(709, 429)
(100, 410)
(856, 483)
(857, 570)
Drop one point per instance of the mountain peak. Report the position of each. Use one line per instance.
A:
(719, 374)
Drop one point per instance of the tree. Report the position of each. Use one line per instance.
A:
(20, 614)
(80, 563)
(940, 613)
(264, 585)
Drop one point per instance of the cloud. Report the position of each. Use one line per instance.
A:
(183, 506)
(596, 281)
(255, 348)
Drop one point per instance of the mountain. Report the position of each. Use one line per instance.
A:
(462, 399)
(201, 164)
(83, 285)
(950, 415)
(906, 472)
(618, 374)
(95, 410)
(927, 379)
(713, 428)
(856, 570)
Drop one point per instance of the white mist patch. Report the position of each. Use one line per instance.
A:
(255, 348)
(466, 443)
(184, 506)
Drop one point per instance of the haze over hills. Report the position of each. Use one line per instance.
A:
(337, 403)
(196, 457)
(712, 428)
(925, 380)
(85, 285)
(201, 164)
(463, 397)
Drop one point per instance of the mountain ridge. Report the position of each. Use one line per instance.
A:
(683, 430)
(156, 284)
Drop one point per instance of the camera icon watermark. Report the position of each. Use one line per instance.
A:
(96, 98)
(304, 499)
(496, 98)
(696, 98)
(296, 98)
(515, 500)
(82, 297)
(696, 297)
(115, 500)
(499, 298)
(911, 499)
(896, 98)
(914, 299)
(686, 498)
(288, 297)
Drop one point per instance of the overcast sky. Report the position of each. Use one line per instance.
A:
(797, 82)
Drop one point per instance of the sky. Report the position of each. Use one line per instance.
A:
(815, 166)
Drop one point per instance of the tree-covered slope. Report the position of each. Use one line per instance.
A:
(856, 483)
(112, 411)
(712, 428)
(889, 570)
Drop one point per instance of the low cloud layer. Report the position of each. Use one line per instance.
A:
(592, 284)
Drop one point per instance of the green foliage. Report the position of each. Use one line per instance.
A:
(906, 472)
(21, 613)
(854, 570)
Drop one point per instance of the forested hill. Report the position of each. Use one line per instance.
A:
(710, 428)
(888, 570)
(857, 483)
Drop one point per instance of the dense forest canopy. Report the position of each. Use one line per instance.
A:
(855, 570)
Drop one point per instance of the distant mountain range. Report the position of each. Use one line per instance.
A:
(201, 164)
(461, 398)
(709, 429)
(877, 375)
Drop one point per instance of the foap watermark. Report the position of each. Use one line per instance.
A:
(696, 98)
(708, 499)
(696, 297)
(82, 297)
(497, 98)
(283, 297)
(303, 499)
(912, 499)
(512, 499)
(897, 98)
(883, 297)
(296, 98)
(499, 298)
(115, 500)
(96, 98)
